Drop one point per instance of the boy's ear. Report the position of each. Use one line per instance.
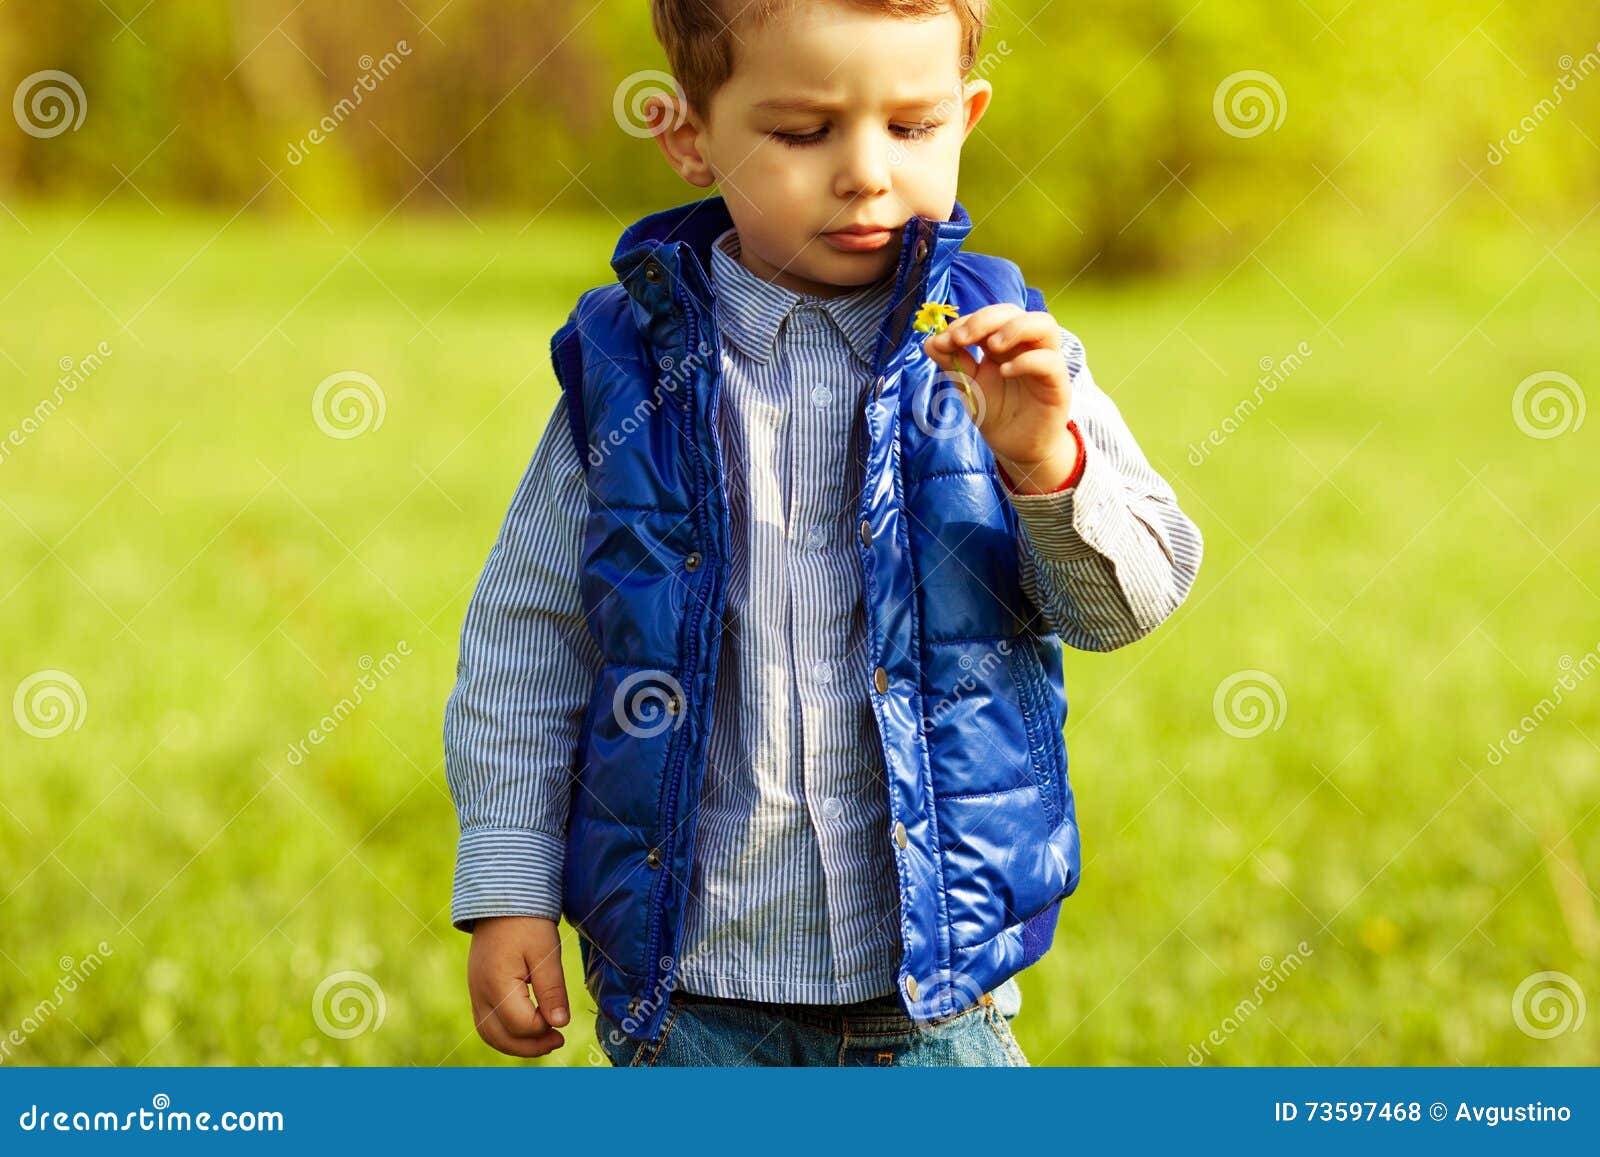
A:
(678, 129)
(978, 94)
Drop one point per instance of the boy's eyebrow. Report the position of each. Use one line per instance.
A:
(805, 104)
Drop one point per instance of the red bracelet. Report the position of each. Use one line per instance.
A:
(1077, 471)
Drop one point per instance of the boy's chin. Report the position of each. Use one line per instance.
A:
(846, 271)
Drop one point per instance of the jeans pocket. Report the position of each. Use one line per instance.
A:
(1000, 1025)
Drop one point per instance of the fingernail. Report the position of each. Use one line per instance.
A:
(558, 1017)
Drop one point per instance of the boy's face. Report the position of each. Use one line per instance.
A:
(835, 119)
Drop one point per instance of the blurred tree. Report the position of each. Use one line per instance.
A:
(1148, 133)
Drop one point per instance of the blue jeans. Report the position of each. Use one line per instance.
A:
(709, 1030)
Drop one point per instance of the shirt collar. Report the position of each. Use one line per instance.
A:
(750, 309)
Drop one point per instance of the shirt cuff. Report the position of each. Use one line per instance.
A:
(1069, 523)
(1072, 479)
(507, 872)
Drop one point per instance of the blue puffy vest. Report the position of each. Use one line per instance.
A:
(963, 672)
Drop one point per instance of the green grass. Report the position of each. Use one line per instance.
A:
(211, 568)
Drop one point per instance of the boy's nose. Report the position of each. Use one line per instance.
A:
(867, 169)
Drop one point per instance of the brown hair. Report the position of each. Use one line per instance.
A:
(699, 38)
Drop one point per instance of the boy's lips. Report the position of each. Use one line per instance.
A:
(860, 238)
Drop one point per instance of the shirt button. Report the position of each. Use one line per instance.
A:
(816, 537)
(899, 834)
(832, 808)
(823, 671)
(821, 396)
(880, 680)
(866, 533)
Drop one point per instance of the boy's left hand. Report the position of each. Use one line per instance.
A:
(1026, 390)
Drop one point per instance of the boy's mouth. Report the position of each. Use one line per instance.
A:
(860, 238)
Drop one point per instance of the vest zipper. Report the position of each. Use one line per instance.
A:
(674, 775)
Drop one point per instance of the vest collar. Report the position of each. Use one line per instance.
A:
(751, 310)
(670, 251)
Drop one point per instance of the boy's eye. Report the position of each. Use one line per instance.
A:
(915, 132)
(799, 140)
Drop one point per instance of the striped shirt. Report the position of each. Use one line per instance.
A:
(793, 895)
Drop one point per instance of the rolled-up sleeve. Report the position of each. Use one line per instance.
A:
(1109, 559)
(527, 667)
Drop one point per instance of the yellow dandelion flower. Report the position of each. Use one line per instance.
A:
(934, 316)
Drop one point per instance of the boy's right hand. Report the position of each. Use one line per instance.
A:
(508, 953)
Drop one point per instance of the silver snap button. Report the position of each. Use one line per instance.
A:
(866, 533)
(652, 272)
(691, 561)
(899, 834)
(880, 680)
(653, 858)
(911, 988)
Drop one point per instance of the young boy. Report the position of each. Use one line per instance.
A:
(762, 684)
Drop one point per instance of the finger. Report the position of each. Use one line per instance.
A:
(549, 986)
(506, 1000)
(953, 359)
(1043, 364)
(494, 1033)
(493, 1029)
(1028, 328)
(978, 325)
